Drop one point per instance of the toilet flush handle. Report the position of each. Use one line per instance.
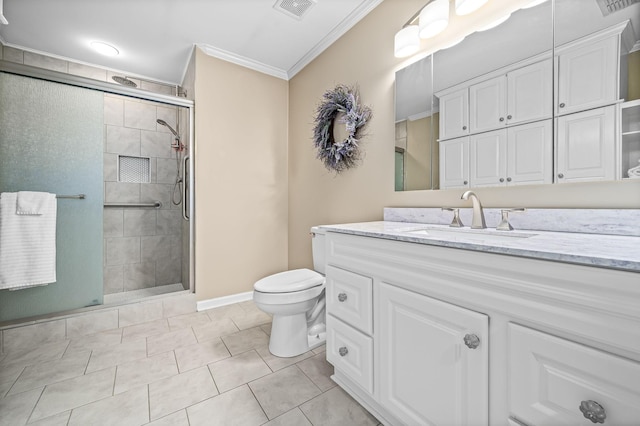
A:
(342, 297)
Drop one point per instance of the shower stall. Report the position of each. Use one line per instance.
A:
(118, 159)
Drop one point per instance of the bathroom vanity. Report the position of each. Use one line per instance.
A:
(431, 325)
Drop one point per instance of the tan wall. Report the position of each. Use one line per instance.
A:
(365, 56)
(417, 157)
(241, 176)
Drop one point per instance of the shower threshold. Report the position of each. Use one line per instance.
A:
(134, 295)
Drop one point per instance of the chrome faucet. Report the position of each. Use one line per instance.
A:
(477, 222)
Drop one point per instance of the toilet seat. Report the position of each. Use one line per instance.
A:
(297, 285)
(289, 281)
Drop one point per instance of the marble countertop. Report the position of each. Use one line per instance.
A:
(607, 251)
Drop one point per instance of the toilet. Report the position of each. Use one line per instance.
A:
(296, 300)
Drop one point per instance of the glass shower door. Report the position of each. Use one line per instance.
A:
(51, 140)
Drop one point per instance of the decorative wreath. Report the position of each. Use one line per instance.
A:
(343, 103)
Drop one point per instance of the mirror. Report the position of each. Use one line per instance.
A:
(490, 103)
(416, 144)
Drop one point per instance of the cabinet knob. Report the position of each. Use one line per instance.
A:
(593, 411)
(464, 127)
(466, 182)
(562, 105)
(501, 179)
(501, 118)
(509, 117)
(508, 179)
(343, 351)
(560, 175)
(472, 341)
(342, 297)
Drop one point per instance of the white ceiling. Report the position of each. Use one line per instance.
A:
(156, 37)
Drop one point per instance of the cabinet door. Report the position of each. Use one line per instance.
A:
(454, 114)
(454, 163)
(428, 376)
(550, 378)
(487, 105)
(488, 158)
(587, 76)
(529, 93)
(586, 145)
(530, 153)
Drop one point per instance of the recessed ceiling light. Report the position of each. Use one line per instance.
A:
(104, 48)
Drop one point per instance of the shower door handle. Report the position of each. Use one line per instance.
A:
(185, 188)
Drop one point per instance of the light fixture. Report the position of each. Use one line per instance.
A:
(406, 41)
(465, 7)
(533, 4)
(495, 23)
(104, 48)
(434, 18)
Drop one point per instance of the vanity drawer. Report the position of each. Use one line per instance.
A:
(350, 298)
(550, 378)
(351, 352)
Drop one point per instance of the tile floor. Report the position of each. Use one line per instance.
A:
(205, 368)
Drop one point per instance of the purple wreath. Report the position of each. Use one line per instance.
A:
(340, 155)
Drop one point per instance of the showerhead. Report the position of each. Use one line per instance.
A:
(164, 123)
(124, 81)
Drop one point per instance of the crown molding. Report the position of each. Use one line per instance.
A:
(354, 17)
(242, 61)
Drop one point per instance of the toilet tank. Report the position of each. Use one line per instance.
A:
(317, 246)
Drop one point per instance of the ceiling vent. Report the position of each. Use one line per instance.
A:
(610, 6)
(294, 8)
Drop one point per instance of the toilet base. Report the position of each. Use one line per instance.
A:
(289, 336)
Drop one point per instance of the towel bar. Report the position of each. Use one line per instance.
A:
(76, 197)
(155, 204)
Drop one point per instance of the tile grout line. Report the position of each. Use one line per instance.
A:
(36, 404)
(258, 401)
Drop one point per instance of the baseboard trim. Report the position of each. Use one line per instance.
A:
(223, 301)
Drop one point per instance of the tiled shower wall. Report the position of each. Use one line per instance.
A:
(142, 246)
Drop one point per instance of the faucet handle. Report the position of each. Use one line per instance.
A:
(456, 222)
(504, 224)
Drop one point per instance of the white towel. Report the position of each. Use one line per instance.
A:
(32, 202)
(27, 244)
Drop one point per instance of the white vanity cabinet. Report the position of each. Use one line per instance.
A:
(454, 114)
(454, 163)
(522, 95)
(433, 358)
(592, 70)
(586, 145)
(349, 299)
(465, 337)
(514, 156)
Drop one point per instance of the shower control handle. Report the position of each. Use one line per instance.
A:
(343, 351)
(342, 297)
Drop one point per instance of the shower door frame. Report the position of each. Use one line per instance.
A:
(105, 87)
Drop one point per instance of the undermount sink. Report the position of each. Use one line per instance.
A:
(466, 234)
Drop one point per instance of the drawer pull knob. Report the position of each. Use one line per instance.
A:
(343, 351)
(472, 341)
(593, 411)
(342, 297)
(562, 105)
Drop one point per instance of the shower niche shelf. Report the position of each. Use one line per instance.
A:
(133, 169)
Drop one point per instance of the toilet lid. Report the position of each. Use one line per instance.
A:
(289, 281)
